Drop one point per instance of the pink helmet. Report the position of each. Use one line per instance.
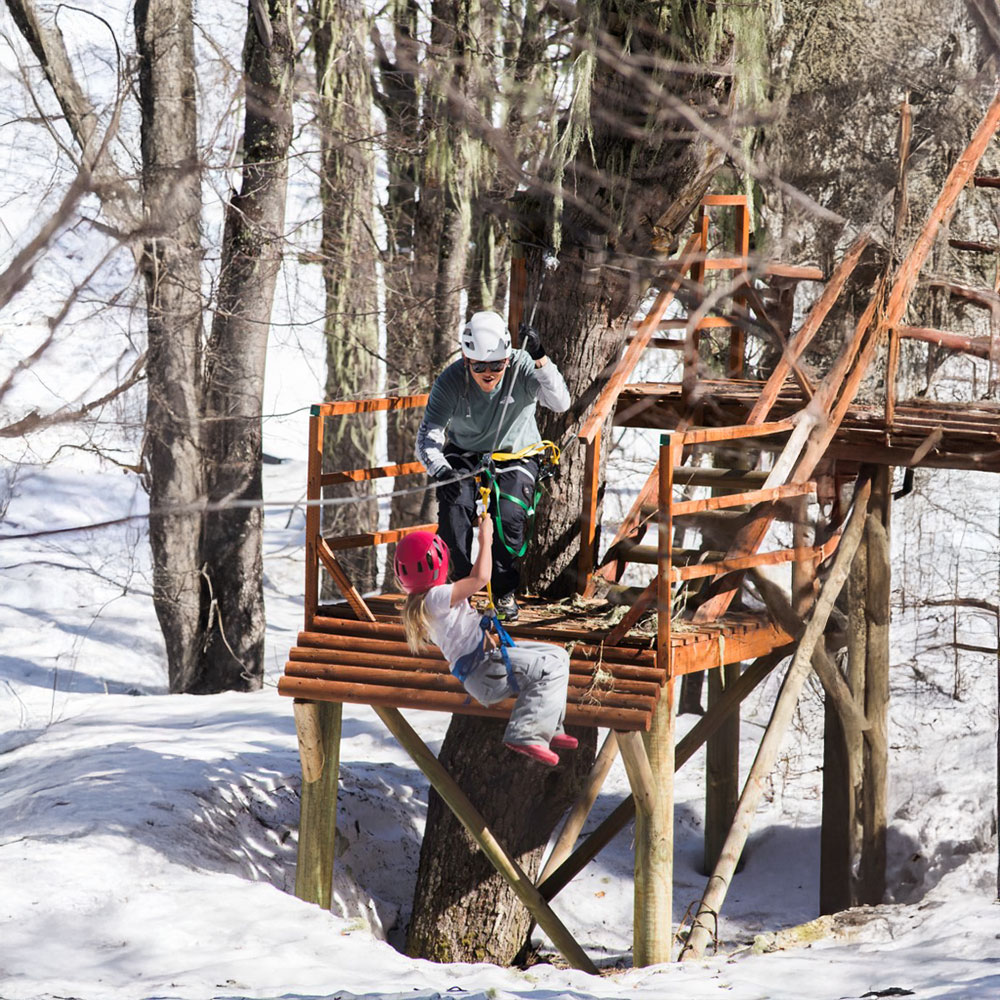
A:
(421, 561)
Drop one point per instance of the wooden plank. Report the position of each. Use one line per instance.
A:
(582, 714)
(377, 472)
(716, 651)
(432, 675)
(724, 200)
(636, 664)
(343, 582)
(711, 435)
(774, 558)
(609, 394)
(474, 822)
(683, 507)
(374, 405)
(367, 538)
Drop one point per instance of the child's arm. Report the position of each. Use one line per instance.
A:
(482, 569)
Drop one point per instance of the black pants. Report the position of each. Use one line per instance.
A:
(457, 516)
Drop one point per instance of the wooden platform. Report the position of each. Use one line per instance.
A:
(342, 659)
(922, 432)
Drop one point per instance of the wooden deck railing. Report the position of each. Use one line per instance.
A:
(320, 550)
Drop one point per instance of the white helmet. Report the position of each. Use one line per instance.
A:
(486, 337)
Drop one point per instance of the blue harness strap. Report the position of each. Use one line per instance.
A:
(464, 665)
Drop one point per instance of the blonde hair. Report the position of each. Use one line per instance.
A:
(415, 621)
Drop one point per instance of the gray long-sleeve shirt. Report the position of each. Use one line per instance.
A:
(458, 411)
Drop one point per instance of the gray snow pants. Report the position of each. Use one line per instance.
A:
(541, 671)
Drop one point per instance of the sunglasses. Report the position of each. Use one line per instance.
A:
(479, 367)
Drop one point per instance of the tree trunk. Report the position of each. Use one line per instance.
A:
(414, 225)
(233, 603)
(463, 910)
(171, 195)
(349, 253)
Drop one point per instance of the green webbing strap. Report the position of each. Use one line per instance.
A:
(530, 510)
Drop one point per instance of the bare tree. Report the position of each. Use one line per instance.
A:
(202, 451)
(349, 254)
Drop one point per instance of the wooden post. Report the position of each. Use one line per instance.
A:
(840, 832)
(318, 726)
(737, 335)
(473, 821)
(852, 841)
(722, 768)
(871, 872)
(654, 831)
(588, 515)
(314, 493)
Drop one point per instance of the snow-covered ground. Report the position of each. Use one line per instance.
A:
(147, 841)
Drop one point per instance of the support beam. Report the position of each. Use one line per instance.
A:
(685, 750)
(578, 814)
(473, 821)
(722, 768)
(871, 871)
(318, 728)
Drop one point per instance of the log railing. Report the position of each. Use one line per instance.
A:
(660, 591)
(320, 550)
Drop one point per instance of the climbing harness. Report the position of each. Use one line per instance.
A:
(464, 665)
(491, 487)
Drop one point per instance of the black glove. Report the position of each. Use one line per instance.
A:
(530, 341)
(443, 474)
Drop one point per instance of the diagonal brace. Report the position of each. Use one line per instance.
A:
(473, 821)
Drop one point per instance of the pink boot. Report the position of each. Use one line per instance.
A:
(535, 751)
(563, 741)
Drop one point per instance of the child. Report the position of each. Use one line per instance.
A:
(536, 672)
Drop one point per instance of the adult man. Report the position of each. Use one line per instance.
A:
(481, 404)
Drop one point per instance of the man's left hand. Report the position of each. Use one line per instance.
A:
(530, 342)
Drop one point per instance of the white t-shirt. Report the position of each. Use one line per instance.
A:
(454, 629)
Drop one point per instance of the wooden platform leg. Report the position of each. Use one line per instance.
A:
(472, 820)
(654, 844)
(318, 728)
(871, 873)
(722, 768)
(852, 843)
